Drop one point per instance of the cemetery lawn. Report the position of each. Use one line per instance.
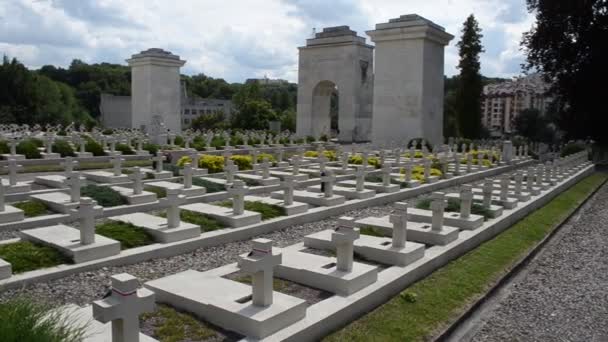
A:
(129, 235)
(432, 303)
(268, 211)
(168, 324)
(454, 206)
(25, 256)
(32, 208)
(210, 186)
(206, 223)
(103, 195)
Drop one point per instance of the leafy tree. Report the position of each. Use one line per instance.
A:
(568, 46)
(531, 124)
(210, 121)
(288, 120)
(253, 114)
(467, 104)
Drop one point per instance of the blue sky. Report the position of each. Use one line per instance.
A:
(237, 39)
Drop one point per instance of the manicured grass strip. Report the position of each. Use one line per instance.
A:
(25, 256)
(268, 211)
(433, 302)
(206, 223)
(210, 186)
(32, 208)
(103, 195)
(172, 325)
(129, 235)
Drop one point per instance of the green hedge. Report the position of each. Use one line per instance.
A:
(105, 196)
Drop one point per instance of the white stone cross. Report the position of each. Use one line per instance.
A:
(328, 183)
(13, 167)
(260, 263)
(254, 157)
(344, 160)
(230, 169)
(438, 207)
(469, 162)
(238, 191)
(295, 165)
(466, 200)
(344, 238)
(456, 163)
(386, 174)
(529, 177)
(140, 144)
(427, 168)
(48, 143)
(504, 187)
(397, 153)
(69, 165)
(539, 175)
(188, 172)
(487, 189)
(360, 174)
(13, 146)
(322, 161)
(195, 157)
(123, 307)
(117, 165)
(74, 182)
(159, 159)
(137, 177)
(288, 186)
(518, 182)
(265, 168)
(172, 201)
(399, 221)
(280, 153)
(86, 213)
(364, 156)
(2, 200)
(408, 171)
(412, 153)
(227, 155)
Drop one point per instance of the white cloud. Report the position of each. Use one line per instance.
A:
(235, 39)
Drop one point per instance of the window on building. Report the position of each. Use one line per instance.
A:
(186, 111)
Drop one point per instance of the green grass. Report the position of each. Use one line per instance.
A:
(268, 211)
(129, 235)
(171, 325)
(210, 186)
(160, 192)
(206, 223)
(433, 302)
(32, 208)
(25, 256)
(103, 195)
(373, 231)
(28, 320)
(454, 206)
(277, 284)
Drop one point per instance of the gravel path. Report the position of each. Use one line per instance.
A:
(564, 295)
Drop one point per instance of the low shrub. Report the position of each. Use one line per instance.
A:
(572, 148)
(32, 208)
(213, 164)
(105, 196)
(210, 186)
(331, 155)
(152, 148)
(125, 149)
(268, 211)
(94, 147)
(29, 148)
(4, 148)
(244, 162)
(417, 154)
(358, 160)
(25, 256)
(179, 141)
(64, 148)
(127, 234)
(25, 319)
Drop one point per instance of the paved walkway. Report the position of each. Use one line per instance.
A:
(563, 294)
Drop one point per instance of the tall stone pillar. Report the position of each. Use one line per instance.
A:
(408, 80)
(155, 89)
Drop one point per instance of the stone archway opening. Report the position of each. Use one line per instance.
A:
(325, 110)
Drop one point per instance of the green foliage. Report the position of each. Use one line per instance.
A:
(358, 160)
(29, 320)
(454, 206)
(568, 45)
(215, 120)
(29, 148)
(160, 192)
(94, 147)
(4, 148)
(572, 148)
(331, 155)
(254, 114)
(206, 223)
(105, 196)
(408, 297)
(212, 163)
(469, 91)
(268, 211)
(32, 208)
(530, 123)
(152, 148)
(25, 256)
(125, 149)
(170, 325)
(242, 161)
(211, 187)
(372, 231)
(64, 148)
(129, 235)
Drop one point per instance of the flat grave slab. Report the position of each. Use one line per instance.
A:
(401, 178)
(95, 330)
(11, 214)
(67, 240)
(225, 215)
(190, 192)
(373, 248)
(509, 203)
(50, 155)
(58, 201)
(53, 181)
(346, 191)
(259, 179)
(495, 210)
(127, 193)
(227, 303)
(316, 199)
(17, 188)
(378, 187)
(157, 227)
(105, 177)
(157, 175)
(452, 219)
(341, 171)
(416, 231)
(283, 174)
(293, 209)
(8, 156)
(321, 272)
(196, 172)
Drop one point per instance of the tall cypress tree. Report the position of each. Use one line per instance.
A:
(470, 87)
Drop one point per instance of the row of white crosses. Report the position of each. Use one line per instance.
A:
(12, 168)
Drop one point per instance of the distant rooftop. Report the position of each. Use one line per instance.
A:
(156, 52)
(533, 83)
